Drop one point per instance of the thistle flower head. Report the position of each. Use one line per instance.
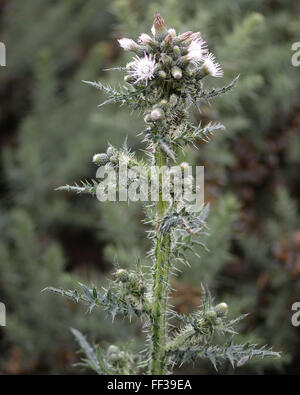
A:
(197, 50)
(145, 39)
(211, 67)
(128, 44)
(185, 36)
(159, 25)
(142, 69)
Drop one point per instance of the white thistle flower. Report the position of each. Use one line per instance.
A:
(211, 67)
(197, 51)
(142, 69)
(128, 44)
(145, 39)
(172, 32)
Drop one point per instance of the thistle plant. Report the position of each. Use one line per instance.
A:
(164, 79)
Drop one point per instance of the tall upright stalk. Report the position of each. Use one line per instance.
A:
(160, 284)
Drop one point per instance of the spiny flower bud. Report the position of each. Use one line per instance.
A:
(173, 100)
(122, 275)
(162, 74)
(176, 51)
(128, 44)
(185, 36)
(221, 309)
(184, 165)
(163, 102)
(177, 73)
(100, 159)
(211, 314)
(145, 39)
(183, 61)
(167, 42)
(159, 29)
(157, 114)
(166, 60)
(190, 70)
(112, 349)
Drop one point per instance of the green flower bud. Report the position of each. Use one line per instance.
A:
(157, 114)
(176, 51)
(167, 42)
(122, 275)
(112, 349)
(212, 314)
(190, 70)
(162, 74)
(221, 309)
(177, 73)
(163, 102)
(159, 29)
(183, 61)
(184, 165)
(100, 159)
(173, 100)
(166, 60)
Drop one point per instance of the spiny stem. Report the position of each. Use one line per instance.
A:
(160, 286)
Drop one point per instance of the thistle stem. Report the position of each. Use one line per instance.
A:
(160, 285)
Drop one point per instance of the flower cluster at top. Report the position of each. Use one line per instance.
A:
(168, 56)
